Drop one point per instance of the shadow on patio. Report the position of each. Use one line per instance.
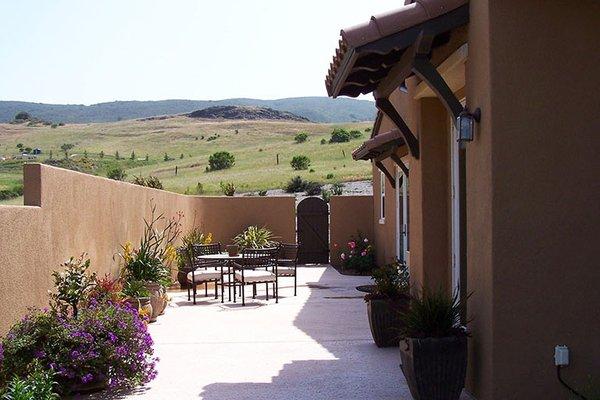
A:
(334, 357)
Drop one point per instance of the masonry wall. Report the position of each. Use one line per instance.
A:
(348, 214)
(68, 213)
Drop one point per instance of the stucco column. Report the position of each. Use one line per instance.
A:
(429, 200)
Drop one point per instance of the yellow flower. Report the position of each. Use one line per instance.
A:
(208, 238)
(170, 254)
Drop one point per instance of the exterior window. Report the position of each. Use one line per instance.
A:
(382, 198)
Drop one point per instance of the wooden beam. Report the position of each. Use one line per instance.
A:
(389, 176)
(403, 68)
(386, 107)
(423, 68)
(399, 163)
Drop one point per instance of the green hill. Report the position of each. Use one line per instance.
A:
(157, 146)
(317, 109)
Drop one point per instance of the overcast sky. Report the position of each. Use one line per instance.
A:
(84, 51)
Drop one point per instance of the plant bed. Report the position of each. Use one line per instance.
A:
(386, 301)
(434, 348)
(384, 320)
(434, 368)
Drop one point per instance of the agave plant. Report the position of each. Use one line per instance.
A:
(434, 314)
(255, 238)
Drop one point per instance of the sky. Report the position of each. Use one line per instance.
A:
(85, 52)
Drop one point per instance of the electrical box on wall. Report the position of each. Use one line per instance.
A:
(561, 355)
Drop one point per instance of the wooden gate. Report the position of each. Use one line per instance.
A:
(313, 231)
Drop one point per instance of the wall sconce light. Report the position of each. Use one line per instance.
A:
(465, 124)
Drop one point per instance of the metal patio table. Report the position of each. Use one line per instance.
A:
(228, 263)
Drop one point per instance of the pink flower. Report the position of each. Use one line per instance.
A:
(343, 256)
(364, 253)
(351, 244)
(366, 240)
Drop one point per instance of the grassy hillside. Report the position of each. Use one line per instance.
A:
(316, 109)
(255, 145)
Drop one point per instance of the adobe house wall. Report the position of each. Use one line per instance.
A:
(545, 213)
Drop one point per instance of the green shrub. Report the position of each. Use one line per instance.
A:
(117, 173)
(433, 314)
(313, 188)
(300, 162)
(323, 141)
(339, 135)
(301, 137)
(391, 282)
(337, 189)
(38, 385)
(72, 283)
(295, 185)
(227, 188)
(199, 188)
(355, 134)
(132, 155)
(221, 160)
(54, 126)
(262, 192)
(326, 195)
(10, 193)
(255, 238)
(65, 147)
(329, 176)
(151, 182)
(367, 129)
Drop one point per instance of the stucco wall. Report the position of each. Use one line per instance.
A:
(348, 214)
(68, 213)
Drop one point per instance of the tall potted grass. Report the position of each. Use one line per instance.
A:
(388, 298)
(434, 348)
(255, 237)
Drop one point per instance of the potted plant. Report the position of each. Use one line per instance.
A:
(434, 348)
(255, 238)
(138, 296)
(388, 298)
(150, 262)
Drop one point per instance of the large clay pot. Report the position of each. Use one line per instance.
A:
(434, 368)
(384, 320)
(156, 299)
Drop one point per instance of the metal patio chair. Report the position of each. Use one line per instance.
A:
(287, 262)
(255, 267)
(205, 271)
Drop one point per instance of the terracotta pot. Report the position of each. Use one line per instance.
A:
(156, 300)
(233, 250)
(384, 320)
(434, 368)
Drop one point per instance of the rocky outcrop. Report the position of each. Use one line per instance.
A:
(245, 112)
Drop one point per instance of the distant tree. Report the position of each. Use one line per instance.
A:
(65, 147)
(301, 137)
(300, 162)
(117, 173)
(323, 141)
(221, 160)
(20, 147)
(54, 125)
(132, 155)
(166, 157)
(22, 116)
(181, 156)
(339, 135)
(102, 154)
(85, 153)
(117, 156)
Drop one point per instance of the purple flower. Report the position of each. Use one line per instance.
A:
(39, 354)
(75, 354)
(1, 353)
(112, 337)
(87, 378)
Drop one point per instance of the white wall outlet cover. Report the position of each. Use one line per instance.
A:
(561, 355)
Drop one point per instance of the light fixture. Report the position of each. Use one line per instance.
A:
(465, 124)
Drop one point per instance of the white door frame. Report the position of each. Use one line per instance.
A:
(455, 213)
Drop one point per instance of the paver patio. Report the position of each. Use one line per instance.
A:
(313, 346)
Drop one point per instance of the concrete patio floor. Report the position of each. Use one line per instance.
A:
(316, 345)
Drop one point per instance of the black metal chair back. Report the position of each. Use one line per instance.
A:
(203, 250)
(259, 258)
(288, 251)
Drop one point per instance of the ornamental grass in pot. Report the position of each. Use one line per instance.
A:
(255, 237)
(434, 348)
(387, 299)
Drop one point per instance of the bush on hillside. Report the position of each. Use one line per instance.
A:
(117, 173)
(301, 137)
(313, 188)
(22, 116)
(300, 162)
(227, 188)
(295, 185)
(221, 160)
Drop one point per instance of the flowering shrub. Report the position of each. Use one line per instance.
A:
(360, 255)
(106, 343)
